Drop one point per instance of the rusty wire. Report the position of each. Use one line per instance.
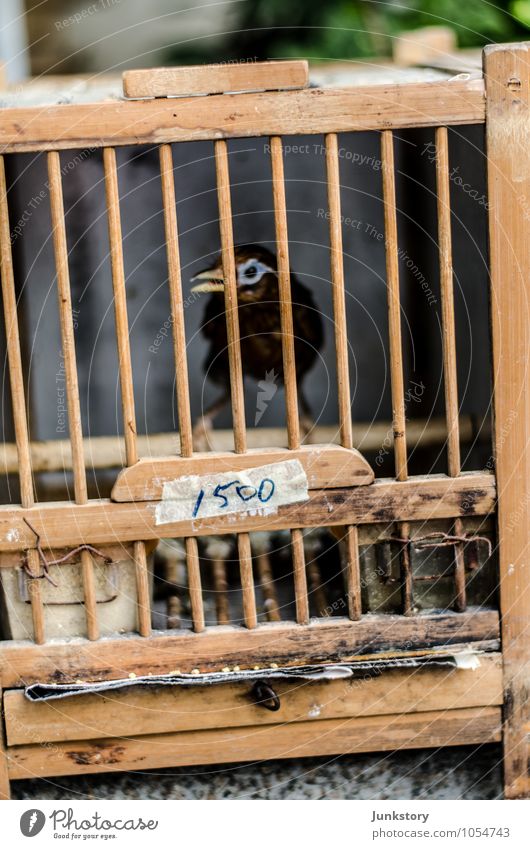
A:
(45, 563)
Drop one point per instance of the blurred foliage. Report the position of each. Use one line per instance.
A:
(344, 29)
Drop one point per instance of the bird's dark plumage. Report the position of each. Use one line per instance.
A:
(259, 319)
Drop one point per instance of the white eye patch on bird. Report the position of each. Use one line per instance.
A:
(249, 273)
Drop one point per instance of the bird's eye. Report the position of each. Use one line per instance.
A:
(251, 273)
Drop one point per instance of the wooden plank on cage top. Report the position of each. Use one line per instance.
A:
(309, 111)
(285, 643)
(64, 524)
(324, 465)
(216, 78)
(507, 74)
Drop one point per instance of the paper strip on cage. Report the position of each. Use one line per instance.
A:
(258, 491)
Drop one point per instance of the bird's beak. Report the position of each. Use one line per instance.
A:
(214, 281)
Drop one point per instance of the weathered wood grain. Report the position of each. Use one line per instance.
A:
(325, 466)
(324, 640)
(216, 79)
(312, 111)
(100, 521)
(507, 72)
(328, 736)
(160, 710)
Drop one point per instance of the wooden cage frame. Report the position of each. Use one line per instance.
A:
(438, 707)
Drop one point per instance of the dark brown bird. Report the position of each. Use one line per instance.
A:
(259, 325)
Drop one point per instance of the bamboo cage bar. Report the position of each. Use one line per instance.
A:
(271, 603)
(396, 348)
(194, 583)
(449, 343)
(179, 349)
(125, 369)
(353, 573)
(72, 384)
(341, 351)
(284, 285)
(230, 292)
(18, 401)
(315, 587)
(338, 290)
(235, 362)
(177, 306)
(220, 585)
(300, 576)
(247, 580)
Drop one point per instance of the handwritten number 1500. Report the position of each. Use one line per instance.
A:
(244, 491)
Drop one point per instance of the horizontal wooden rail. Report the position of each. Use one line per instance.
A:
(236, 115)
(465, 726)
(157, 710)
(282, 643)
(63, 524)
(107, 452)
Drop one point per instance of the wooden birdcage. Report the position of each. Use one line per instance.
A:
(418, 701)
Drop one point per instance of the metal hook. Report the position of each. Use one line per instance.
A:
(263, 694)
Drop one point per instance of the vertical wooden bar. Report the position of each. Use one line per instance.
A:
(220, 585)
(125, 368)
(142, 589)
(70, 367)
(396, 349)
(447, 298)
(179, 346)
(120, 303)
(266, 579)
(449, 343)
(18, 400)
(16, 376)
(338, 293)
(177, 305)
(350, 543)
(353, 573)
(247, 580)
(234, 359)
(284, 286)
(507, 77)
(300, 578)
(394, 304)
(5, 790)
(230, 292)
(194, 583)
